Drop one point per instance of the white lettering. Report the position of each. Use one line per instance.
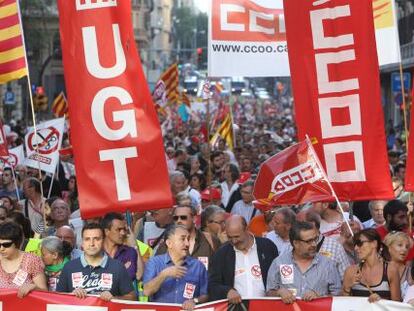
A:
(119, 156)
(94, 4)
(50, 307)
(332, 150)
(125, 116)
(352, 103)
(92, 54)
(254, 27)
(324, 84)
(282, 25)
(224, 11)
(319, 40)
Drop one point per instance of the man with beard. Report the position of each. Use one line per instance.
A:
(396, 218)
(303, 272)
(176, 277)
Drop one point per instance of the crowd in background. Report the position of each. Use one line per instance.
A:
(214, 243)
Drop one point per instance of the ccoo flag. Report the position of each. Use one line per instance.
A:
(12, 53)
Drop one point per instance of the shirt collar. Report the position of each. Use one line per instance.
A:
(253, 247)
(168, 260)
(103, 263)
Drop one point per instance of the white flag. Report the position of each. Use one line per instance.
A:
(16, 157)
(42, 149)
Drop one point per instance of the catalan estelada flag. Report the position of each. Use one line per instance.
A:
(60, 106)
(225, 131)
(170, 79)
(185, 99)
(12, 54)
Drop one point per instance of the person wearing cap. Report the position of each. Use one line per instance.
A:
(236, 195)
(211, 196)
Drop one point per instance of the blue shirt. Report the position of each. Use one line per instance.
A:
(192, 285)
(110, 275)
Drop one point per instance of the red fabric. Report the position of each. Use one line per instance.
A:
(337, 93)
(292, 176)
(409, 173)
(117, 142)
(4, 150)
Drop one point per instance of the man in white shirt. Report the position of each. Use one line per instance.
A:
(376, 209)
(229, 185)
(245, 207)
(282, 221)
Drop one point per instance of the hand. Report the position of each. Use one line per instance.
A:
(175, 271)
(356, 278)
(374, 297)
(106, 296)
(234, 297)
(189, 305)
(25, 289)
(410, 207)
(80, 293)
(286, 295)
(309, 296)
(223, 236)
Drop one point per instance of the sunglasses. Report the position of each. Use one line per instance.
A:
(359, 243)
(181, 217)
(6, 244)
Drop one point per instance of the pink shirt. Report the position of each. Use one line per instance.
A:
(30, 267)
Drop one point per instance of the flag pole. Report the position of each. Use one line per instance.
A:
(29, 82)
(316, 159)
(15, 182)
(208, 143)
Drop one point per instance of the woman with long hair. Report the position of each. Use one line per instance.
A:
(372, 277)
(18, 269)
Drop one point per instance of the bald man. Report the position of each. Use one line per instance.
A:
(244, 272)
(66, 233)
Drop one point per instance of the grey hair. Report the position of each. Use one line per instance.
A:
(289, 216)
(175, 174)
(53, 244)
(208, 214)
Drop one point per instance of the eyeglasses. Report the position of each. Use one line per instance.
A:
(182, 217)
(218, 222)
(6, 244)
(310, 241)
(359, 243)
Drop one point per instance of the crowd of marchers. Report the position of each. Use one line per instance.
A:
(214, 242)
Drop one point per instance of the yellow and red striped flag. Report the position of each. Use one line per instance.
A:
(185, 99)
(225, 131)
(170, 79)
(12, 53)
(60, 106)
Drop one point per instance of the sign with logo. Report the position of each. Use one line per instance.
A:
(15, 157)
(396, 82)
(247, 38)
(117, 142)
(9, 98)
(43, 146)
(335, 77)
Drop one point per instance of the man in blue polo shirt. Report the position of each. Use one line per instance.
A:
(175, 277)
(94, 272)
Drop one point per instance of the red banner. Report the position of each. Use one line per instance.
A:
(293, 176)
(45, 301)
(4, 150)
(409, 172)
(117, 142)
(335, 75)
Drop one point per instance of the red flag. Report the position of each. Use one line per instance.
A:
(4, 150)
(409, 174)
(293, 176)
(334, 68)
(117, 142)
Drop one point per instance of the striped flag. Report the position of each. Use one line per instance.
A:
(225, 131)
(60, 105)
(170, 79)
(185, 99)
(206, 90)
(218, 88)
(12, 53)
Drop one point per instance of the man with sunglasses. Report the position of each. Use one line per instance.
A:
(201, 245)
(303, 272)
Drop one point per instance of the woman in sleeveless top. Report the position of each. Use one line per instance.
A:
(372, 277)
(398, 244)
